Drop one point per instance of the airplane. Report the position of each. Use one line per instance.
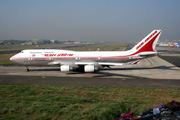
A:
(88, 61)
(178, 45)
(171, 45)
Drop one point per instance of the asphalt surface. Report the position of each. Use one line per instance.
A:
(170, 54)
(100, 82)
(149, 73)
(172, 59)
(10, 51)
(150, 68)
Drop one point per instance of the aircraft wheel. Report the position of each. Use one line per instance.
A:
(27, 70)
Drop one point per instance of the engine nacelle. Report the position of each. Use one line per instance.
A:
(90, 68)
(65, 68)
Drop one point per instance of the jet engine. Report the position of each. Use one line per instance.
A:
(65, 68)
(90, 68)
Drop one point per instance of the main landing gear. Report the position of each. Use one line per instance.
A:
(27, 69)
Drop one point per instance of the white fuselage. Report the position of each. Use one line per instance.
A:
(54, 56)
(88, 60)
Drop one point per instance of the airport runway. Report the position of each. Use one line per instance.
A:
(149, 73)
(91, 82)
(151, 68)
(170, 54)
(168, 49)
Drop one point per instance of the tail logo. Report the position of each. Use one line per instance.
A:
(139, 45)
(146, 40)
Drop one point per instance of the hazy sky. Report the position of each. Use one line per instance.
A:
(89, 20)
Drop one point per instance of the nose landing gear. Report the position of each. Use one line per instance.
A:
(27, 69)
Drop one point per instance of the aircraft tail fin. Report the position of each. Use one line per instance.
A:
(169, 44)
(148, 44)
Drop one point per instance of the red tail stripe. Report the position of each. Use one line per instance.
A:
(147, 47)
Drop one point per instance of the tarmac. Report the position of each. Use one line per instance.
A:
(90, 82)
(153, 72)
(150, 68)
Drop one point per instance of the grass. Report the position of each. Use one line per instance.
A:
(102, 47)
(4, 59)
(78, 103)
(22, 47)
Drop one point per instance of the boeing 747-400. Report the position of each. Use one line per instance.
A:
(89, 61)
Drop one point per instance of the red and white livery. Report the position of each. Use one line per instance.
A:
(89, 61)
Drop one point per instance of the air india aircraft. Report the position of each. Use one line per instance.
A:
(88, 61)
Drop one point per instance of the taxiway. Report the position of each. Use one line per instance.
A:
(150, 68)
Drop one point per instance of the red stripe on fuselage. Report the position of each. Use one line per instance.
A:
(70, 58)
(148, 47)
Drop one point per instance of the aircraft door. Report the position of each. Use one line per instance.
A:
(43, 52)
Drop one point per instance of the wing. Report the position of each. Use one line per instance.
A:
(90, 63)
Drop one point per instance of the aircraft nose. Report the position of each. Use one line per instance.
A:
(11, 59)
